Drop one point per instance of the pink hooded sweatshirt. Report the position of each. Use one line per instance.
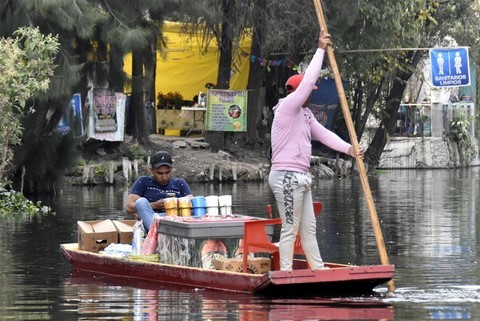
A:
(294, 126)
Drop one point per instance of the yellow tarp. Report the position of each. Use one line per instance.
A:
(186, 69)
(180, 119)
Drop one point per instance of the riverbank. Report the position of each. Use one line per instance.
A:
(192, 159)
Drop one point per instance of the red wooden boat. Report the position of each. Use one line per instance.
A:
(339, 280)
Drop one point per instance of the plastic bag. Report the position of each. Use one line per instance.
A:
(151, 241)
(137, 241)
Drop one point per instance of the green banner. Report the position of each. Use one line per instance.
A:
(226, 110)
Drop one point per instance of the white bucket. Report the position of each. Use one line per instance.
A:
(225, 203)
(212, 211)
(212, 205)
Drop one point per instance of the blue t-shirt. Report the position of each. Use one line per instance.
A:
(147, 187)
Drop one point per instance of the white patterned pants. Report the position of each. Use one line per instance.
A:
(293, 194)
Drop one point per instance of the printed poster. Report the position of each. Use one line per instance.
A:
(105, 110)
(226, 110)
(73, 118)
(112, 136)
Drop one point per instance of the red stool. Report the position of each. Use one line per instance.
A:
(256, 239)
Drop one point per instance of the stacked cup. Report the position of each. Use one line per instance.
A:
(171, 206)
(199, 206)
(212, 205)
(184, 206)
(225, 203)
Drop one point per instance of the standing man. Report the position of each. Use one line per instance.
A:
(293, 127)
(148, 192)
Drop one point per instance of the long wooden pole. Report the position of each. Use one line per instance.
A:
(353, 138)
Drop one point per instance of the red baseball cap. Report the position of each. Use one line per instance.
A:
(292, 83)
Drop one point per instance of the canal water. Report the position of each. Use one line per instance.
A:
(428, 219)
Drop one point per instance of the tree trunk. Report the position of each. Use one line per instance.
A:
(225, 63)
(387, 125)
(150, 69)
(361, 113)
(219, 140)
(256, 79)
(137, 107)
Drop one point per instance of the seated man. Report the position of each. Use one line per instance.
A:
(148, 192)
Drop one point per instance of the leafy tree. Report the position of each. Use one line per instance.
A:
(368, 37)
(421, 24)
(26, 69)
(378, 78)
(44, 154)
(94, 36)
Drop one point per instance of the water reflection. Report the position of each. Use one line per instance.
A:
(95, 297)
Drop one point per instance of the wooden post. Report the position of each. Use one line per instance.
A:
(353, 138)
(86, 171)
(212, 171)
(109, 173)
(234, 171)
(126, 168)
(135, 168)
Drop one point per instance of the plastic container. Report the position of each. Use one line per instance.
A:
(199, 206)
(208, 229)
(184, 206)
(212, 205)
(171, 208)
(184, 211)
(198, 201)
(225, 204)
(199, 211)
(137, 240)
(184, 202)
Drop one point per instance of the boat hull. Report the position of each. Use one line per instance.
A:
(339, 280)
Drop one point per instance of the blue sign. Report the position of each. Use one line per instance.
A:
(450, 67)
(73, 118)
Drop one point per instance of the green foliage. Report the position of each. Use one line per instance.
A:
(460, 132)
(47, 167)
(134, 151)
(12, 202)
(100, 170)
(26, 68)
(27, 65)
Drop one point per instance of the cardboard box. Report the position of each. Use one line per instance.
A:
(95, 236)
(255, 265)
(125, 230)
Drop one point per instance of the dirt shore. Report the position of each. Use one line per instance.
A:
(193, 160)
